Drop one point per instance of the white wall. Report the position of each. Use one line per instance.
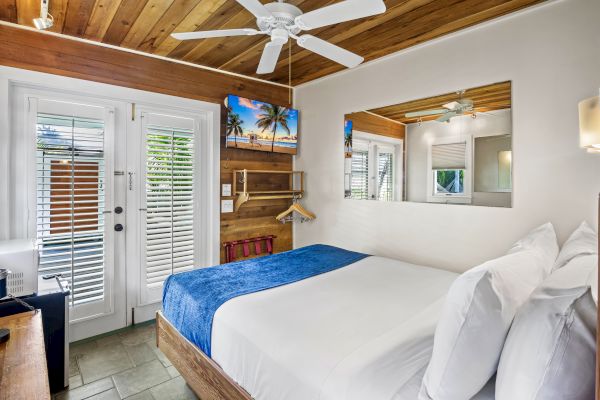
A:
(552, 55)
(420, 137)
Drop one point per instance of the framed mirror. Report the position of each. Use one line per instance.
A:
(455, 148)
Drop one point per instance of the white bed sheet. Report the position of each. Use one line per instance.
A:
(361, 332)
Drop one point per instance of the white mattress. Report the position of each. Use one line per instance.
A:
(361, 332)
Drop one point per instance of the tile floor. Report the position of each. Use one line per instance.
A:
(123, 365)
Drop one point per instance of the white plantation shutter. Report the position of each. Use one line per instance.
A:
(385, 173)
(359, 181)
(449, 156)
(169, 200)
(71, 191)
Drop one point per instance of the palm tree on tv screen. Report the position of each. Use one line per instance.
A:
(234, 125)
(272, 117)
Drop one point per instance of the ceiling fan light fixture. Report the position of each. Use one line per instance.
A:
(279, 36)
(45, 21)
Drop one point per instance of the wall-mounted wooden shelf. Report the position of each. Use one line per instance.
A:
(244, 194)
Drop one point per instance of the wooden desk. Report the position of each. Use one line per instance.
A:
(23, 372)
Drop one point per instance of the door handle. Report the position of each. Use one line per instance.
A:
(118, 227)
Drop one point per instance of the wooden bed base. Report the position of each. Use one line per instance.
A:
(202, 374)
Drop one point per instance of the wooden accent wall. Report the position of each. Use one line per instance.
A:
(57, 55)
(369, 123)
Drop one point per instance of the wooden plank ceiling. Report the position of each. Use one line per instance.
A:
(146, 25)
(487, 98)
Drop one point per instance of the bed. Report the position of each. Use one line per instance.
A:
(363, 330)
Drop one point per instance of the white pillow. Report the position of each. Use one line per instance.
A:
(479, 309)
(550, 351)
(583, 241)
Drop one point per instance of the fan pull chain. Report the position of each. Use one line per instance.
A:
(290, 73)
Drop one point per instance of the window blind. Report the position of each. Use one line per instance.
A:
(169, 202)
(448, 156)
(360, 174)
(385, 176)
(70, 202)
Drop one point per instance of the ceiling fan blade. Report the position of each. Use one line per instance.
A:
(340, 12)
(256, 8)
(425, 113)
(453, 105)
(215, 34)
(446, 117)
(269, 58)
(330, 51)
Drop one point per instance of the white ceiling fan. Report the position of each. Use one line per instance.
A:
(282, 21)
(450, 110)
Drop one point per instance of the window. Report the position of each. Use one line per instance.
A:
(449, 181)
(170, 200)
(360, 174)
(449, 170)
(71, 202)
(374, 170)
(385, 174)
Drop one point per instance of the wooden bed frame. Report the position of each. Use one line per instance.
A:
(201, 373)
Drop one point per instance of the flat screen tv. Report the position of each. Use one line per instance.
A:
(256, 125)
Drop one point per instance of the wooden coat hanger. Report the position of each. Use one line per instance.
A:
(296, 207)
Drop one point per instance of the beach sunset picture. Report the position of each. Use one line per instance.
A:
(255, 125)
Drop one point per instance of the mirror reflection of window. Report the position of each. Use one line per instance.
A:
(505, 170)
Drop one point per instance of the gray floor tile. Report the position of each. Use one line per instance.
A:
(173, 372)
(73, 368)
(75, 381)
(175, 389)
(138, 335)
(102, 362)
(79, 348)
(159, 354)
(111, 394)
(138, 379)
(140, 353)
(145, 395)
(85, 391)
(108, 340)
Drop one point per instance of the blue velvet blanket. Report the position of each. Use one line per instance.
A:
(190, 299)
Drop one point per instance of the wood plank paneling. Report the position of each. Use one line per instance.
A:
(144, 23)
(125, 17)
(27, 10)
(66, 57)
(369, 123)
(77, 17)
(8, 10)
(167, 23)
(492, 97)
(102, 16)
(58, 10)
(219, 19)
(147, 24)
(202, 12)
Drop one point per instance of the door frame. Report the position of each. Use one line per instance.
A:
(16, 204)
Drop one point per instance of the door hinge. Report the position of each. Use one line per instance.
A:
(133, 111)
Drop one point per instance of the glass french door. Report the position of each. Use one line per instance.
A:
(164, 186)
(75, 195)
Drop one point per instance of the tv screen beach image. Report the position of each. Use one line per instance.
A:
(255, 125)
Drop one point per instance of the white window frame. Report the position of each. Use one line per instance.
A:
(457, 198)
(374, 142)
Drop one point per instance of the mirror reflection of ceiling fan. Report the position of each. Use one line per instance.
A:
(450, 110)
(282, 21)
